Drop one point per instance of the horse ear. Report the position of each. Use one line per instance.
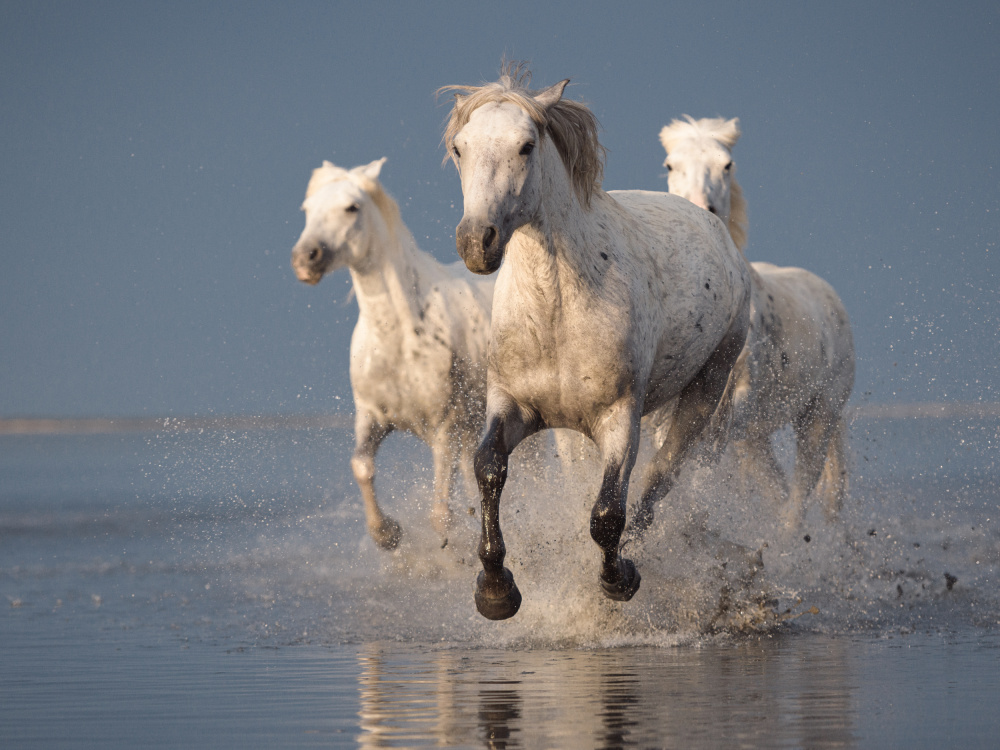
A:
(552, 94)
(372, 171)
(730, 132)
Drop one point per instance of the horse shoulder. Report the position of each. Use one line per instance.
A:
(803, 335)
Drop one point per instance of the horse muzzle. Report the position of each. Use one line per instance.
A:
(310, 262)
(479, 245)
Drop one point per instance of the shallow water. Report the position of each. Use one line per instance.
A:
(216, 589)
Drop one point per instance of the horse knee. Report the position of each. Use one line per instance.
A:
(607, 519)
(489, 468)
(363, 467)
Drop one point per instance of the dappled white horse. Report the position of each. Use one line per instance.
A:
(798, 363)
(607, 305)
(418, 353)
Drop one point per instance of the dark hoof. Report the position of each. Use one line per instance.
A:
(627, 583)
(497, 600)
(388, 534)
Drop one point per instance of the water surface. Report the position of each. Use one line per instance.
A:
(215, 589)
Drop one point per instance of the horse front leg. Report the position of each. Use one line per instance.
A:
(368, 436)
(813, 431)
(497, 596)
(618, 441)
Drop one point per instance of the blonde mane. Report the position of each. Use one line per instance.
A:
(571, 125)
(737, 213)
(726, 133)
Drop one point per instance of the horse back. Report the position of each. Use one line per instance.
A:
(692, 287)
(802, 344)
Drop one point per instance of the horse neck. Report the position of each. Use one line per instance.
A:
(547, 251)
(391, 282)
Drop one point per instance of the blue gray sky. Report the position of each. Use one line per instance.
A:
(155, 156)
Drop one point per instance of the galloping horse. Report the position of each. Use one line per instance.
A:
(798, 363)
(418, 352)
(607, 305)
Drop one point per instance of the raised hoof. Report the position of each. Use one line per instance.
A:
(388, 534)
(498, 600)
(627, 584)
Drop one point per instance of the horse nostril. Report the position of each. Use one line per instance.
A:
(314, 254)
(489, 236)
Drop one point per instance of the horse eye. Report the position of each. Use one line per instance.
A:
(669, 168)
(458, 154)
(729, 166)
(353, 208)
(527, 148)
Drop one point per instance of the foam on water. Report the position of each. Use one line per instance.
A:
(259, 537)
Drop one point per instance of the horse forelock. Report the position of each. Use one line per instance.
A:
(726, 132)
(323, 176)
(571, 125)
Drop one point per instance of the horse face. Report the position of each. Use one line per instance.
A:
(702, 173)
(497, 156)
(336, 219)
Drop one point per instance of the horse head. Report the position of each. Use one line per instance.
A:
(700, 167)
(497, 153)
(340, 214)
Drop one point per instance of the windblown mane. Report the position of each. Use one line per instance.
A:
(737, 213)
(329, 173)
(571, 125)
(726, 133)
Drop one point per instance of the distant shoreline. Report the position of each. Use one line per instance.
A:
(106, 425)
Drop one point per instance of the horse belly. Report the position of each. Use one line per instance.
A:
(697, 315)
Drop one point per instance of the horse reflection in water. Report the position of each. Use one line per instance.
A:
(418, 352)
(797, 366)
(781, 692)
(607, 306)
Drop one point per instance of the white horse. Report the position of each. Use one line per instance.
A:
(607, 305)
(798, 363)
(418, 353)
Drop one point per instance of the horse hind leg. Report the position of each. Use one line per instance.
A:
(833, 482)
(758, 467)
(368, 436)
(697, 405)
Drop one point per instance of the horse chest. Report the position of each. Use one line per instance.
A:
(562, 373)
(406, 377)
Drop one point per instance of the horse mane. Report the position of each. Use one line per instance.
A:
(737, 213)
(571, 125)
(387, 206)
(726, 133)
